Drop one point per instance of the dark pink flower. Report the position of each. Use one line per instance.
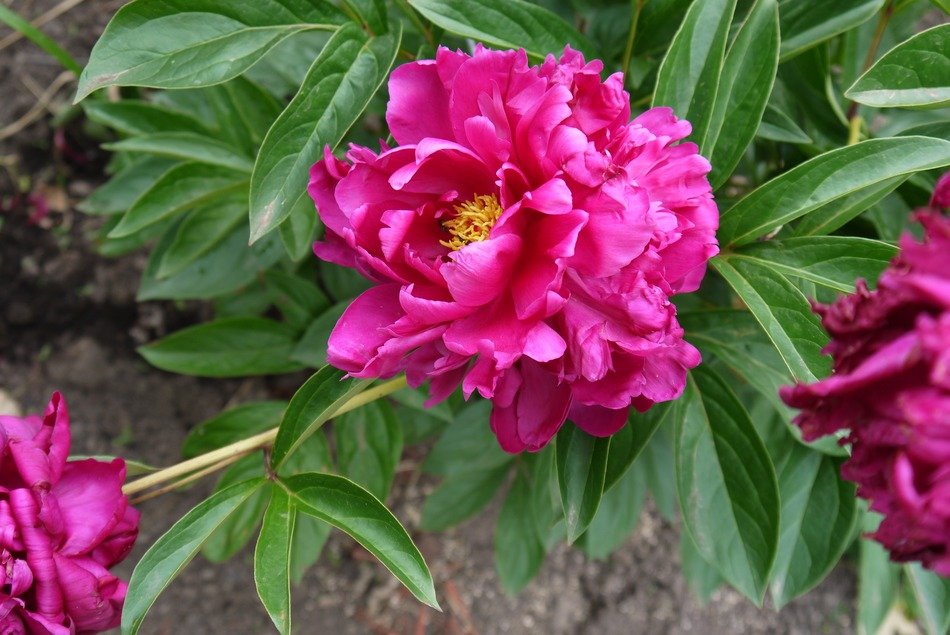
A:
(891, 390)
(526, 236)
(62, 525)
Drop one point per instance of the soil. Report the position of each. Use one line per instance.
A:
(69, 322)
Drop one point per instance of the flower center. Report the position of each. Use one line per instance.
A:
(472, 221)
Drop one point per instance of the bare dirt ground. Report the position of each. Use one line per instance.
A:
(69, 322)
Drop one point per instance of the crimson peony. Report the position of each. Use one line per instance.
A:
(891, 390)
(525, 237)
(62, 525)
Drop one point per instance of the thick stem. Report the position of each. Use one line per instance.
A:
(245, 446)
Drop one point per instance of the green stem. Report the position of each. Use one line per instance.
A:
(635, 7)
(882, 21)
(222, 456)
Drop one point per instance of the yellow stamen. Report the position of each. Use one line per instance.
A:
(472, 221)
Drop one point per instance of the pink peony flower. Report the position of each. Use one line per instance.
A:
(891, 389)
(62, 525)
(525, 236)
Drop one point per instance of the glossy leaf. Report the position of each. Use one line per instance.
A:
(188, 43)
(467, 444)
(232, 425)
(237, 529)
(689, 77)
(778, 126)
(121, 191)
(616, 515)
(627, 443)
(226, 268)
(834, 262)
(185, 146)
(297, 297)
(232, 347)
(810, 488)
(135, 117)
(348, 507)
(178, 190)
(338, 87)
(201, 231)
(170, 553)
(837, 213)
(783, 312)
(505, 24)
(878, 583)
(272, 559)
(518, 549)
(745, 84)
(311, 406)
(727, 486)
(312, 347)
(368, 446)
(913, 74)
(581, 466)
(825, 179)
(460, 496)
(933, 596)
(805, 24)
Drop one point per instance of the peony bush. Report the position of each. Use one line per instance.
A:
(576, 252)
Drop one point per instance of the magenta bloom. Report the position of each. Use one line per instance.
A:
(891, 389)
(62, 525)
(525, 236)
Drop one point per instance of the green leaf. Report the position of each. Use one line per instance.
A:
(616, 516)
(232, 425)
(505, 24)
(783, 312)
(185, 146)
(136, 117)
(627, 443)
(518, 549)
(298, 299)
(334, 94)
(834, 262)
(702, 577)
(272, 559)
(657, 462)
(189, 43)
(878, 582)
(933, 595)
(170, 553)
(777, 126)
(232, 347)
(238, 528)
(225, 268)
(581, 466)
(372, 13)
(805, 24)
(810, 488)
(311, 406)
(127, 185)
(837, 213)
(913, 74)
(460, 496)
(30, 32)
(368, 446)
(178, 190)
(825, 179)
(310, 536)
(689, 77)
(348, 507)
(300, 229)
(744, 88)
(201, 231)
(312, 347)
(727, 487)
(468, 444)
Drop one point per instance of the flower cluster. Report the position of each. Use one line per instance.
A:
(891, 389)
(525, 236)
(62, 525)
